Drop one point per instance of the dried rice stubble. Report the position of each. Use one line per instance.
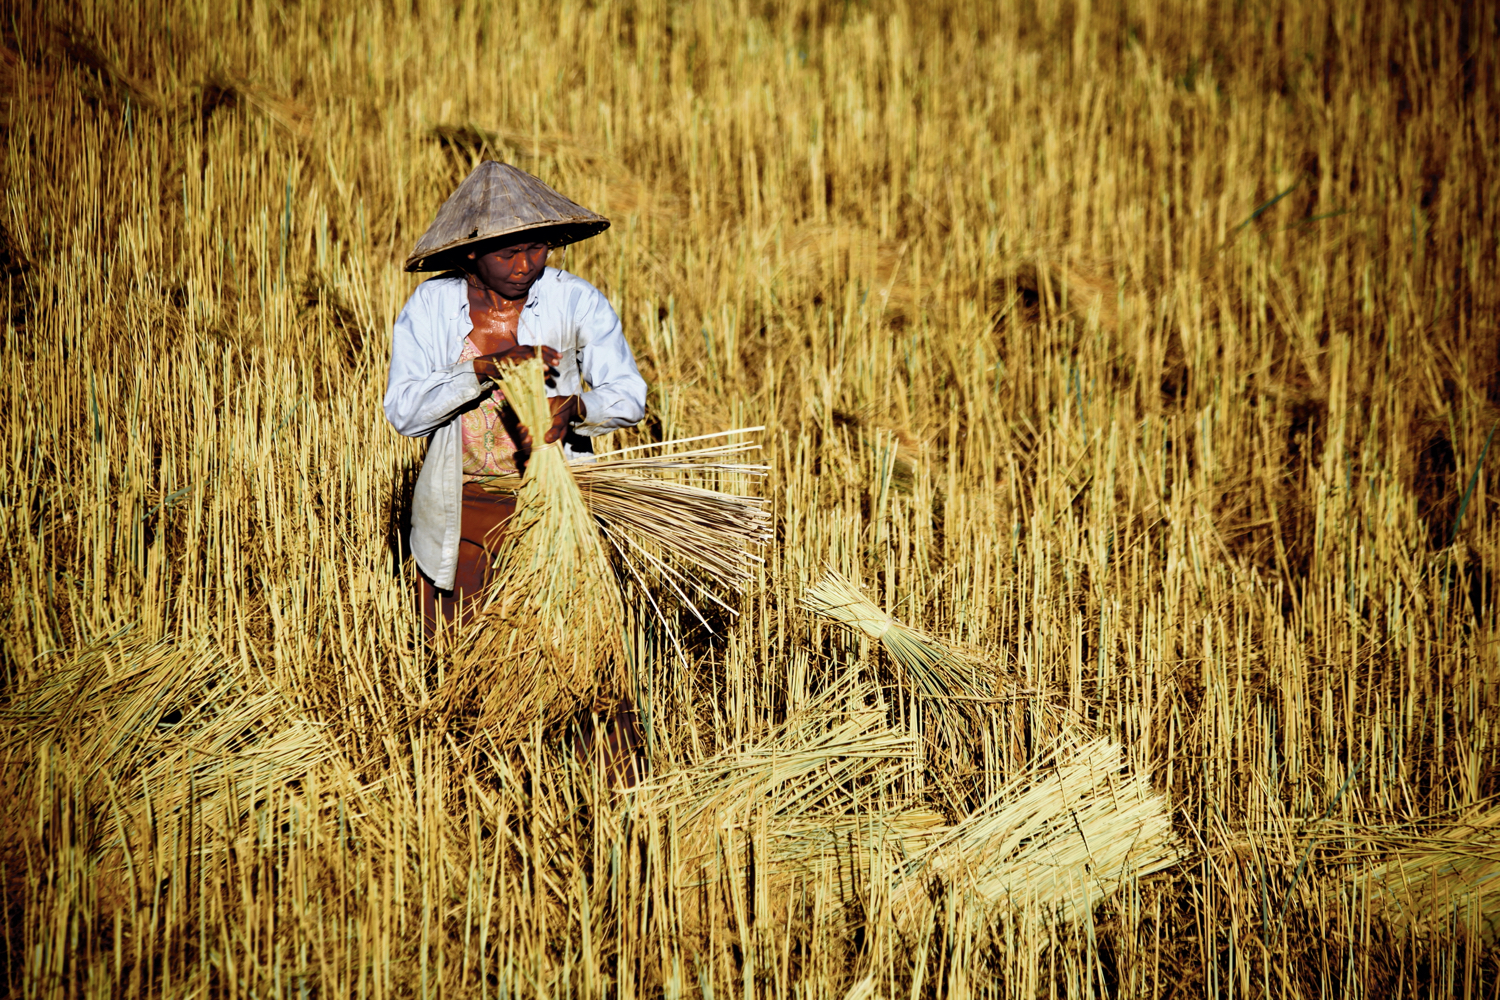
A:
(550, 639)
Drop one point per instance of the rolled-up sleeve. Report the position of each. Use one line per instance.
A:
(617, 393)
(424, 388)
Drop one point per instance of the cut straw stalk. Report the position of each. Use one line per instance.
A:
(549, 641)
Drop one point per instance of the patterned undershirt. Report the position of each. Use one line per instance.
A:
(488, 449)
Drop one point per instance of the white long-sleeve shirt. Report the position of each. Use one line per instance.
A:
(429, 386)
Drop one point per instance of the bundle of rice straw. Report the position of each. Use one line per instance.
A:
(790, 806)
(674, 535)
(834, 758)
(1434, 881)
(156, 727)
(961, 695)
(709, 530)
(823, 794)
(1060, 838)
(550, 639)
(1062, 831)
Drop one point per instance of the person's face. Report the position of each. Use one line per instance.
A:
(511, 271)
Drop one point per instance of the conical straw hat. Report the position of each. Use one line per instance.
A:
(498, 199)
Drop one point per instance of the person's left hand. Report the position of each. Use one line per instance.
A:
(565, 410)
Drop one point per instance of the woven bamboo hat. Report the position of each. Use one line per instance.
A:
(495, 200)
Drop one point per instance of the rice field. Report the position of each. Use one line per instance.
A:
(1144, 353)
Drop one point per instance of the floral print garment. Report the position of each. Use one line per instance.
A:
(488, 449)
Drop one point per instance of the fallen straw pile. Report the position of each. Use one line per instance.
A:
(961, 694)
(958, 693)
(1434, 880)
(549, 641)
(836, 757)
(1069, 821)
(791, 806)
(826, 791)
(157, 730)
(1060, 837)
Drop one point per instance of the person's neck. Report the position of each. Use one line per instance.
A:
(492, 298)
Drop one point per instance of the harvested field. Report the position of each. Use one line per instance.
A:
(1141, 357)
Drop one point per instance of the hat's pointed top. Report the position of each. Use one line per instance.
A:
(495, 200)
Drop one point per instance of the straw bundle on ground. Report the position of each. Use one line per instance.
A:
(834, 755)
(1437, 881)
(1061, 838)
(804, 803)
(550, 638)
(152, 728)
(961, 694)
(825, 792)
(1068, 823)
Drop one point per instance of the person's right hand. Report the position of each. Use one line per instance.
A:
(488, 365)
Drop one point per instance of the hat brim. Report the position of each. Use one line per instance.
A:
(554, 234)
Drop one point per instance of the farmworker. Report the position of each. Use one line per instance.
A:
(498, 303)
